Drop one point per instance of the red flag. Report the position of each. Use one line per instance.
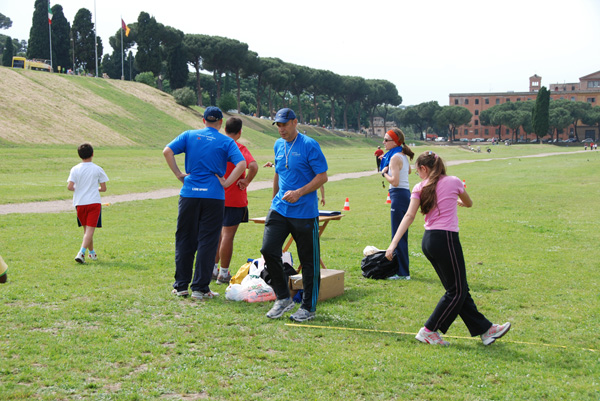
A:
(125, 27)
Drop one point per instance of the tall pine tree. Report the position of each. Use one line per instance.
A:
(177, 70)
(39, 34)
(8, 52)
(541, 113)
(83, 37)
(149, 33)
(61, 41)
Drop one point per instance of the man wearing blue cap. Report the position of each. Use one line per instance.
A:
(300, 169)
(201, 201)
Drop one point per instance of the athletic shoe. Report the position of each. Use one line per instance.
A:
(93, 256)
(204, 295)
(223, 278)
(215, 273)
(433, 337)
(302, 315)
(182, 293)
(281, 306)
(495, 332)
(80, 258)
(397, 277)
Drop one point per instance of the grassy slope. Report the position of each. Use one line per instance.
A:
(59, 109)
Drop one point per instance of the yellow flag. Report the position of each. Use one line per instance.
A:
(125, 27)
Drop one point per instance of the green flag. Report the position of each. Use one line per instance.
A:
(49, 13)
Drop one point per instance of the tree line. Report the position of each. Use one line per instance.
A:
(258, 85)
(237, 77)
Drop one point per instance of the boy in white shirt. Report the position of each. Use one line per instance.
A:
(84, 180)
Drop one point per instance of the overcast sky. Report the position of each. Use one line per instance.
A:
(428, 49)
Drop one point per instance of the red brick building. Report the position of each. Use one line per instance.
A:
(586, 90)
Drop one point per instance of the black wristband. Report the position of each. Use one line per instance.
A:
(383, 175)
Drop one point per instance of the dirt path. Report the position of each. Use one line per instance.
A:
(67, 205)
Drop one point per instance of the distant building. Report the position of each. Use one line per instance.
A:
(378, 129)
(586, 90)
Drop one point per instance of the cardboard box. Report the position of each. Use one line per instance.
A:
(332, 284)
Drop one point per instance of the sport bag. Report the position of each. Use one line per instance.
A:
(377, 266)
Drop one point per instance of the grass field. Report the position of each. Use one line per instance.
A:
(111, 330)
(39, 173)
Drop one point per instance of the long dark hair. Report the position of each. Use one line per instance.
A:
(437, 169)
(405, 149)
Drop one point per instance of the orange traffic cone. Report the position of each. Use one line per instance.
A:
(388, 200)
(347, 205)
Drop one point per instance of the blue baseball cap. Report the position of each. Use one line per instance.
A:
(284, 115)
(213, 114)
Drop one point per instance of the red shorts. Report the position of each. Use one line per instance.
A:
(89, 215)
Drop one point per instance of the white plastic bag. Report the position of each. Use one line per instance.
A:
(256, 290)
(236, 292)
(258, 265)
(370, 250)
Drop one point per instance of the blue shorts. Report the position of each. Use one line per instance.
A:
(233, 216)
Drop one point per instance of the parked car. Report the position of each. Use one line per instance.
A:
(588, 140)
(440, 139)
(478, 140)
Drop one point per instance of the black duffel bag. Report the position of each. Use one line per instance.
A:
(378, 267)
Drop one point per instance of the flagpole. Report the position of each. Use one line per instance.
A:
(122, 57)
(50, 32)
(96, 38)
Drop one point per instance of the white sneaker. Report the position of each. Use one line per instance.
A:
(433, 337)
(302, 315)
(281, 306)
(204, 295)
(80, 258)
(223, 278)
(398, 277)
(495, 332)
(182, 293)
(93, 256)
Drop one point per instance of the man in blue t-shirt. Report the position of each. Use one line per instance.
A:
(201, 201)
(300, 169)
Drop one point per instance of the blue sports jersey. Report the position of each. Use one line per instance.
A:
(207, 152)
(304, 161)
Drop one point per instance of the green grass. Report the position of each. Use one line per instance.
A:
(111, 329)
(39, 173)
